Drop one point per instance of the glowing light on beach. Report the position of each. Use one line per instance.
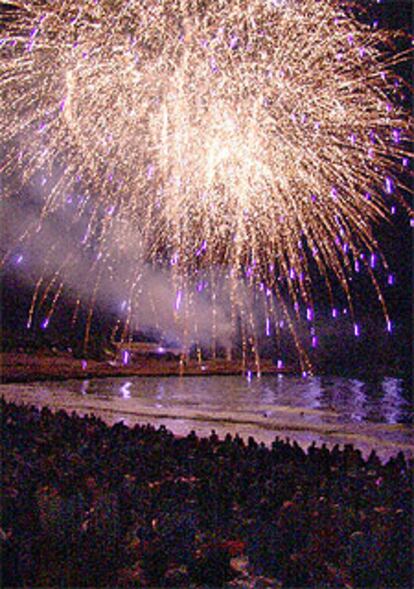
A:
(85, 387)
(205, 135)
(125, 390)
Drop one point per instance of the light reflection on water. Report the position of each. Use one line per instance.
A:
(350, 399)
(325, 409)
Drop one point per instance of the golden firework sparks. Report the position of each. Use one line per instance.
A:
(260, 137)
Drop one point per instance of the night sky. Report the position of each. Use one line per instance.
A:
(395, 239)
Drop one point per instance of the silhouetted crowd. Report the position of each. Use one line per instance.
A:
(88, 505)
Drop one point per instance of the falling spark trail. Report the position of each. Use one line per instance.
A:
(204, 135)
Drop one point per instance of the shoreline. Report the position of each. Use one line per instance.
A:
(23, 368)
(28, 369)
(299, 424)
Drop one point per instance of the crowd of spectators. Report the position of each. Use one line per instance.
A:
(89, 505)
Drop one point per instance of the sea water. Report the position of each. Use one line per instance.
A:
(371, 415)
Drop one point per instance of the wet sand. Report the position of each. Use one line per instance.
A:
(181, 409)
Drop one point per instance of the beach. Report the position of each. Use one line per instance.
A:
(24, 367)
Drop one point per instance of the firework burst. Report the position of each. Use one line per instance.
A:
(253, 138)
